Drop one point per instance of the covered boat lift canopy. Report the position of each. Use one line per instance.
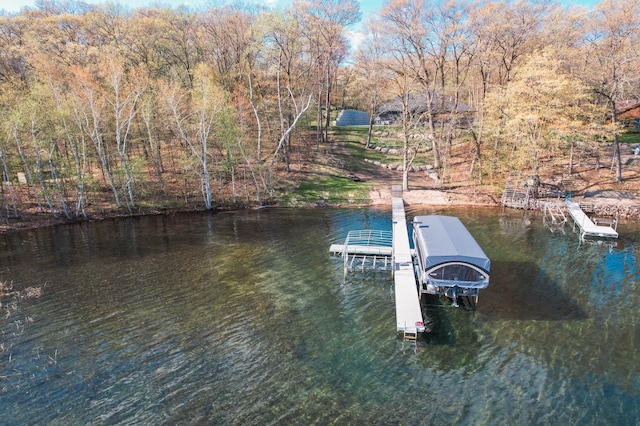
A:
(449, 260)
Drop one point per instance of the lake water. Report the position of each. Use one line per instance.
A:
(243, 318)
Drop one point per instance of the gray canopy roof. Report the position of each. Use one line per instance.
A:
(445, 239)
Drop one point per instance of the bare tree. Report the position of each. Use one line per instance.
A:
(89, 115)
(372, 76)
(408, 26)
(194, 117)
(124, 90)
(285, 60)
(325, 22)
(612, 59)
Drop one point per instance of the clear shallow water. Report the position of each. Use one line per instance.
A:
(243, 318)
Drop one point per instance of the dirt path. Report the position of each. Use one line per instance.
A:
(423, 190)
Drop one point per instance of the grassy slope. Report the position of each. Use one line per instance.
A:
(330, 181)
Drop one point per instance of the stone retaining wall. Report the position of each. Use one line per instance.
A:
(428, 169)
(627, 209)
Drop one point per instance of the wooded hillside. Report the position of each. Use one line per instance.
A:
(107, 109)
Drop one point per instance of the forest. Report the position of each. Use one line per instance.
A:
(105, 108)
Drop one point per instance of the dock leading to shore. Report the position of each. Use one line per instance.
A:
(587, 227)
(383, 250)
(409, 319)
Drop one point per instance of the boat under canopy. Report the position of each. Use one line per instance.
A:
(449, 260)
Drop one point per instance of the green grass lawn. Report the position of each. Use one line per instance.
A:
(357, 135)
(332, 189)
(334, 186)
(631, 137)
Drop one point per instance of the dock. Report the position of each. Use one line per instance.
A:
(586, 226)
(388, 250)
(409, 319)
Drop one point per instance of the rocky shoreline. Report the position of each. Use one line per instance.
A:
(604, 204)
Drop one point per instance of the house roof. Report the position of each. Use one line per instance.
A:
(417, 103)
(627, 105)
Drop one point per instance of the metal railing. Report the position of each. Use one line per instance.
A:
(368, 240)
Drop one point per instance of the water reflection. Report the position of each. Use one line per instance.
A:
(243, 318)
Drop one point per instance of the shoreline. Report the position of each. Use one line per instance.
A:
(628, 209)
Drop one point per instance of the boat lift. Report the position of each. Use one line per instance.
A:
(366, 249)
(388, 250)
(554, 217)
(449, 261)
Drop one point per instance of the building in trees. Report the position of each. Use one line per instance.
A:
(349, 117)
(445, 110)
(628, 112)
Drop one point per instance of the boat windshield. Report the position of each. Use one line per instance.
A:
(457, 274)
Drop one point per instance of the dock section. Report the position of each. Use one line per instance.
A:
(586, 225)
(384, 250)
(409, 319)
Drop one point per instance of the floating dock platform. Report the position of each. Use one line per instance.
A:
(587, 227)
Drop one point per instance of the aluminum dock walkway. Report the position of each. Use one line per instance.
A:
(384, 250)
(586, 225)
(408, 311)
